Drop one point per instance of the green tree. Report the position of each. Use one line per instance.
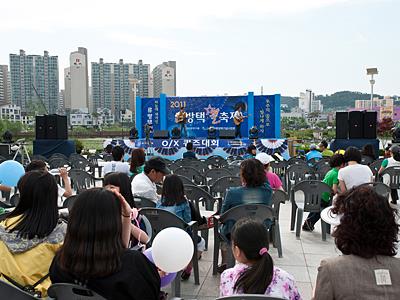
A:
(14, 127)
(385, 130)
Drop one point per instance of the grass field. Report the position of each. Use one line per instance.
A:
(93, 143)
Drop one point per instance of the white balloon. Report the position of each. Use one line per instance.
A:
(172, 249)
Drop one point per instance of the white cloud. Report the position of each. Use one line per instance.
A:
(45, 15)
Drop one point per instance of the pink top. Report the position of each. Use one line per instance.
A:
(281, 286)
(274, 180)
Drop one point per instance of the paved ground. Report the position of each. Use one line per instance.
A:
(301, 258)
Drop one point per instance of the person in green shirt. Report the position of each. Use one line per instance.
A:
(336, 162)
(323, 147)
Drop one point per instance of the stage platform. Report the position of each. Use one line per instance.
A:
(173, 149)
(343, 144)
(49, 147)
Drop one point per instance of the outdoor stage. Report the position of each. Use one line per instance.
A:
(174, 149)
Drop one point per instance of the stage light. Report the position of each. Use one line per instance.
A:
(253, 133)
(133, 133)
(176, 133)
(212, 133)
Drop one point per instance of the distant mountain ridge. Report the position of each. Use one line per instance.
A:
(336, 101)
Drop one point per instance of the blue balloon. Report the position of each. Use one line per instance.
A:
(10, 172)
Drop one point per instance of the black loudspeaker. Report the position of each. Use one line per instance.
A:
(51, 127)
(356, 125)
(342, 125)
(370, 124)
(226, 133)
(57, 127)
(62, 128)
(161, 134)
(41, 127)
(5, 150)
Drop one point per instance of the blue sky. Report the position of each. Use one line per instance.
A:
(222, 46)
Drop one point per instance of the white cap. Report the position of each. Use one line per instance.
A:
(264, 158)
(329, 217)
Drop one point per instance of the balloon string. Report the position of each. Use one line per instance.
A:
(140, 245)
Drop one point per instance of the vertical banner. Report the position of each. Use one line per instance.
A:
(265, 116)
(150, 113)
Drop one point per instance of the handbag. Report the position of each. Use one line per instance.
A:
(195, 214)
(30, 289)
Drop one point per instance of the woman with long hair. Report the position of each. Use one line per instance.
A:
(255, 189)
(173, 199)
(32, 233)
(138, 159)
(94, 252)
(367, 236)
(121, 183)
(255, 272)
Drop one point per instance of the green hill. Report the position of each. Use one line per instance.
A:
(342, 100)
(336, 101)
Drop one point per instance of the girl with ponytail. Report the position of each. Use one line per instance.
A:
(255, 272)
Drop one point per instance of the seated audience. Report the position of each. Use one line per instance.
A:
(94, 252)
(273, 179)
(190, 151)
(121, 183)
(39, 165)
(108, 149)
(368, 151)
(32, 233)
(138, 159)
(313, 153)
(392, 161)
(173, 199)
(117, 165)
(144, 184)
(367, 236)
(250, 152)
(255, 272)
(323, 147)
(354, 174)
(336, 162)
(255, 189)
(387, 151)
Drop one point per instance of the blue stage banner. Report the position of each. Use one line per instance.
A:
(264, 115)
(150, 113)
(174, 149)
(204, 112)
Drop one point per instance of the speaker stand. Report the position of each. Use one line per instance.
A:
(22, 151)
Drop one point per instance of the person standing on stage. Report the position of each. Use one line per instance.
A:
(148, 128)
(181, 118)
(238, 119)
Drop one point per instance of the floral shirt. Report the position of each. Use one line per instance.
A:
(282, 284)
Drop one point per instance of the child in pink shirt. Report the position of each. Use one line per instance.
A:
(273, 179)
